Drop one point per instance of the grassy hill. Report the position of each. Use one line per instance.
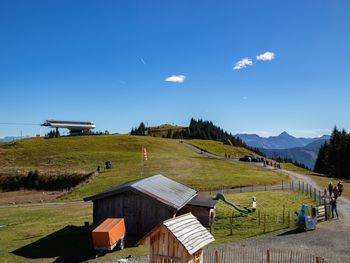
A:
(219, 148)
(163, 130)
(166, 156)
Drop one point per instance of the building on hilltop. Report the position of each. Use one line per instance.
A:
(74, 127)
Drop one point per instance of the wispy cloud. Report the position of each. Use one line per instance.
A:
(310, 132)
(267, 56)
(243, 63)
(176, 78)
(143, 61)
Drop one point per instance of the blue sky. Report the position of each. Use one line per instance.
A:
(107, 61)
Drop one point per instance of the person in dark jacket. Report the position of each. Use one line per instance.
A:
(333, 204)
(340, 188)
(335, 192)
(330, 188)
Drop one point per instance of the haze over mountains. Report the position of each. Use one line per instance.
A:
(12, 138)
(302, 150)
(282, 141)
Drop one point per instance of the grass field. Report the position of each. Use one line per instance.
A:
(51, 233)
(165, 156)
(44, 234)
(267, 204)
(219, 148)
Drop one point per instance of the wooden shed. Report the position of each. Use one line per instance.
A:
(180, 239)
(143, 203)
(201, 207)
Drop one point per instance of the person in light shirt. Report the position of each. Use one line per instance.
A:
(254, 204)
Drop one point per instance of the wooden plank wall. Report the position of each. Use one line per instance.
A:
(165, 248)
(202, 213)
(140, 212)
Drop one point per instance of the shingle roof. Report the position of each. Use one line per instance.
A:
(189, 232)
(159, 187)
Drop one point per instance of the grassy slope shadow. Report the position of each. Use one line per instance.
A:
(69, 244)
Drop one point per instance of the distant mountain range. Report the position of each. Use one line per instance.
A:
(282, 141)
(12, 138)
(302, 150)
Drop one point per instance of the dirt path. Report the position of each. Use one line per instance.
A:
(330, 240)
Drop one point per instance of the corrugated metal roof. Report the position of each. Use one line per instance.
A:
(159, 187)
(203, 202)
(189, 231)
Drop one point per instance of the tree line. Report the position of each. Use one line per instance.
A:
(334, 156)
(199, 129)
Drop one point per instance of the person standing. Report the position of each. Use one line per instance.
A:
(333, 203)
(335, 192)
(330, 188)
(340, 188)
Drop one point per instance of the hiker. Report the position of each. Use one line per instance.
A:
(333, 203)
(340, 188)
(335, 192)
(330, 188)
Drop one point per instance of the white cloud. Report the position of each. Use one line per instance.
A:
(243, 63)
(176, 78)
(267, 56)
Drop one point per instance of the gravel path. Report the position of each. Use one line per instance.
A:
(331, 239)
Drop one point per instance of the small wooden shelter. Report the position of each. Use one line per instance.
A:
(180, 239)
(201, 207)
(143, 203)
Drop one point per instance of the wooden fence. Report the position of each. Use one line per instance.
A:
(257, 255)
(295, 185)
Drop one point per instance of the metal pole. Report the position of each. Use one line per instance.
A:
(142, 161)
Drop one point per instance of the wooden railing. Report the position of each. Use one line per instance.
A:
(257, 255)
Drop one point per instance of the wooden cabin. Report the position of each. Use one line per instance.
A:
(180, 239)
(201, 207)
(143, 203)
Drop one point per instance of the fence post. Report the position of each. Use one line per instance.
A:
(217, 257)
(303, 188)
(259, 217)
(268, 256)
(299, 186)
(252, 188)
(315, 196)
(282, 185)
(318, 260)
(288, 219)
(265, 187)
(264, 223)
(284, 207)
(240, 188)
(319, 197)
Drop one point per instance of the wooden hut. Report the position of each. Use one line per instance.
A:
(201, 207)
(143, 203)
(180, 239)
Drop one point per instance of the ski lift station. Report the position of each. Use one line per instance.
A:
(74, 127)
